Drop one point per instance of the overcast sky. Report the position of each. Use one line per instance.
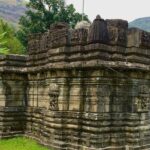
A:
(114, 9)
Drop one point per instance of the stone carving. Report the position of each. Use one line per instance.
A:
(58, 35)
(30, 42)
(138, 38)
(37, 42)
(145, 39)
(53, 95)
(142, 101)
(34, 43)
(117, 32)
(98, 32)
(8, 93)
(142, 104)
(78, 36)
(43, 42)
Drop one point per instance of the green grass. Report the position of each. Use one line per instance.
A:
(20, 143)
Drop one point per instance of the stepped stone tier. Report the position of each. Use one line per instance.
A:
(80, 89)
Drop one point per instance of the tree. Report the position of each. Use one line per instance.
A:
(9, 42)
(3, 49)
(42, 13)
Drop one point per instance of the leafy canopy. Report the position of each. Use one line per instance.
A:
(3, 49)
(42, 13)
(9, 44)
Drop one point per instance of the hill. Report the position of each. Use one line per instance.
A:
(142, 23)
(11, 10)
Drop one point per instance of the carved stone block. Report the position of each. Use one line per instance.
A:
(98, 32)
(78, 37)
(53, 95)
(43, 41)
(142, 104)
(58, 35)
(34, 43)
(138, 38)
(117, 30)
(142, 101)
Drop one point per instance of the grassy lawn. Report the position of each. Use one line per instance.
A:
(20, 143)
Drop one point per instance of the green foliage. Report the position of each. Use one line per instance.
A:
(20, 144)
(9, 42)
(142, 23)
(42, 13)
(3, 49)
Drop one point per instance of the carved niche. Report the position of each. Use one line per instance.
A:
(53, 97)
(78, 36)
(142, 101)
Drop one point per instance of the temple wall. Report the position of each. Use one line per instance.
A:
(98, 108)
(13, 95)
(79, 90)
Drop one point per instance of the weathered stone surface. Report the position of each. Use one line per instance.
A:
(77, 93)
(58, 35)
(117, 30)
(98, 32)
(138, 38)
(78, 37)
(53, 95)
(34, 42)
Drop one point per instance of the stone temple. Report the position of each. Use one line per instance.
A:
(80, 89)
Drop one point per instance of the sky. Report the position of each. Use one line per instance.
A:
(114, 9)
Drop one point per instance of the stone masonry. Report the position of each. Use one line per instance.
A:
(80, 89)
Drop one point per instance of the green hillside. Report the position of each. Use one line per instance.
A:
(142, 23)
